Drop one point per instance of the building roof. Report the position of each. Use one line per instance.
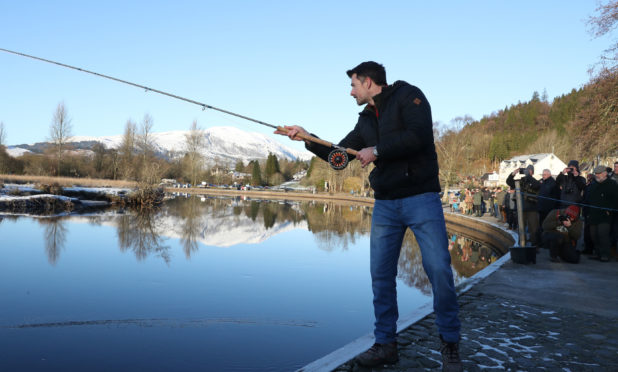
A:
(533, 157)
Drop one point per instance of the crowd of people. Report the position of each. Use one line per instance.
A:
(569, 215)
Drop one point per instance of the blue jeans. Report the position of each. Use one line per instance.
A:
(423, 215)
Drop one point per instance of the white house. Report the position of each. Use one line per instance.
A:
(491, 179)
(539, 161)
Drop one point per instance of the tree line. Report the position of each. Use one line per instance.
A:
(136, 159)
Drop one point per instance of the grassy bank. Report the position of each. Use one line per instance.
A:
(66, 181)
(94, 182)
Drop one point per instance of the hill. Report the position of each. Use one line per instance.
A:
(225, 145)
(580, 125)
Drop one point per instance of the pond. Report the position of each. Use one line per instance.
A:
(203, 283)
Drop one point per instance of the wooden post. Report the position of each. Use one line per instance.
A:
(520, 215)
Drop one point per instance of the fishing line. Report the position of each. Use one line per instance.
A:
(338, 158)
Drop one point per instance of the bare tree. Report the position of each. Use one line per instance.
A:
(603, 24)
(194, 145)
(2, 133)
(60, 133)
(149, 169)
(127, 150)
(145, 142)
(2, 139)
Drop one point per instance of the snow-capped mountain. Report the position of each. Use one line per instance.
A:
(223, 144)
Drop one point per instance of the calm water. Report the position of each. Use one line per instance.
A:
(201, 284)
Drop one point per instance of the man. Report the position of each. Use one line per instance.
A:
(478, 201)
(510, 207)
(571, 184)
(615, 172)
(602, 199)
(562, 228)
(500, 195)
(549, 193)
(614, 234)
(394, 131)
(530, 188)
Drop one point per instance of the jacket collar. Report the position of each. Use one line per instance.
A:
(381, 98)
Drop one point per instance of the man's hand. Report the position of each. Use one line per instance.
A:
(366, 156)
(292, 131)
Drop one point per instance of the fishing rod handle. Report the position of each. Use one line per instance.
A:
(320, 141)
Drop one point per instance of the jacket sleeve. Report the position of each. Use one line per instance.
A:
(560, 178)
(575, 231)
(533, 183)
(551, 222)
(417, 132)
(510, 180)
(580, 182)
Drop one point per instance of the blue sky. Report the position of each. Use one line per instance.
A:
(282, 62)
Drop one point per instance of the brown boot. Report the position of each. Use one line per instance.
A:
(450, 356)
(379, 354)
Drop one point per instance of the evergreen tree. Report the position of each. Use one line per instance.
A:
(256, 174)
(240, 167)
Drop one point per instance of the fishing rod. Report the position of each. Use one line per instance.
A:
(338, 158)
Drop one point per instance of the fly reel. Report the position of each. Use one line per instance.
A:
(338, 159)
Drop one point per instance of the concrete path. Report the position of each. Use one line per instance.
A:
(544, 316)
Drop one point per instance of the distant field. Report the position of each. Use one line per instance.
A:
(66, 181)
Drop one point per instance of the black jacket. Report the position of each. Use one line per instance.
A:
(604, 195)
(530, 187)
(400, 126)
(571, 188)
(549, 189)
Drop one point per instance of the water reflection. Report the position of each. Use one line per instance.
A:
(227, 222)
(55, 237)
(469, 256)
(141, 233)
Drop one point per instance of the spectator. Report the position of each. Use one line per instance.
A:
(588, 245)
(614, 175)
(549, 193)
(469, 202)
(530, 188)
(571, 184)
(510, 208)
(604, 196)
(500, 195)
(485, 206)
(562, 228)
(477, 200)
(615, 219)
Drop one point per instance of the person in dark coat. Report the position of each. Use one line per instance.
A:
(549, 196)
(530, 188)
(562, 228)
(602, 201)
(588, 244)
(510, 209)
(395, 132)
(571, 184)
(478, 201)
